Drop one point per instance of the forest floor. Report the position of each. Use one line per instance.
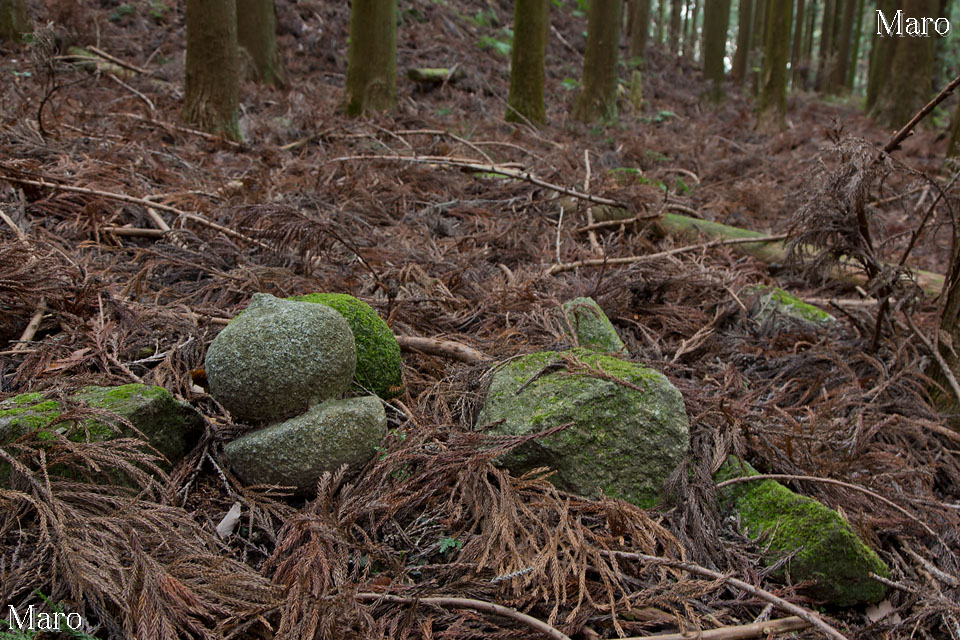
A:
(314, 201)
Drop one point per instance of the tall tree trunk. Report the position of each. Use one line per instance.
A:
(855, 53)
(716, 21)
(690, 44)
(838, 78)
(661, 17)
(213, 67)
(881, 57)
(598, 93)
(953, 142)
(910, 83)
(531, 19)
(676, 20)
(772, 103)
(759, 34)
(796, 55)
(824, 65)
(742, 56)
(639, 30)
(14, 20)
(257, 33)
(807, 59)
(372, 68)
(684, 28)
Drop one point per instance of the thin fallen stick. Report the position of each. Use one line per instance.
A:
(525, 176)
(445, 348)
(763, 594)
(146, 203)
(941, 362)
(599, 262)
(182, 129)
(147, 101)
(737, 632)
(118, 61)
(135, 232)
(616, 223)
(470, 603)
(441, 132)
(898, 137)
(32, 327)
(840, 483)
(586, 188)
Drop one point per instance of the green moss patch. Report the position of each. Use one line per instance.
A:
(378, 353)
(778, 301)
(591, 326)
(826, 550)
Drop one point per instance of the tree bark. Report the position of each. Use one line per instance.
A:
(598, 93)
(639, 30)
(796, 56)
(716, 21)
(910, 83)
(661, 18)
(742, 56)
(257, 34)
(953, 142)
(690, 43)
(881, 57)
(772, 101)
(855, 54)
(530, 22)
(372, 67)
(838, 79)
(676, 20)
(14, 20)
(211, 91)
(825, 63)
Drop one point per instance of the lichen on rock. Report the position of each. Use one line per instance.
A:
(378, 353)
(825, 549)
(774, 302)
(590, 325)
(629, 426)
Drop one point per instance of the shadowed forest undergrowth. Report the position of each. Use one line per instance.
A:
(91, 164)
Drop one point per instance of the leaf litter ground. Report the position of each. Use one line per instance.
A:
(462, 256)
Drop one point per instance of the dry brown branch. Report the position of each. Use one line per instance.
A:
(941, 362)
(800, 612)
(599, 262)
(32, 326)
(445, 348)
(686, 172)
(147, 101)
(586, 188)
(525, 176)
(135, 232)
(894, 143)
(737, 632)
(470, 603)
(117, 61)
(839, 483)
(612, 224)
(176, 127)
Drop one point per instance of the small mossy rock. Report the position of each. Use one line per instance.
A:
(298, 451)
(591, 325)
(279, 357)
(830, 553)
(378, 352)
(169, 426)
(781, 304)
(625, 439)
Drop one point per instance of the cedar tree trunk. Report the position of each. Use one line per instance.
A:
(742, 56)
(14, 20)
(257, 33)
(598, 93)
(881, 56)
(716, 20)
(838, 79)
(797, 54)
(213, 66)
(676, 21)
(772, 100)
(531, 19)
(639, 29)
(825, 63)
(372, 69)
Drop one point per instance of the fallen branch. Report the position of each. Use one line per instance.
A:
(525, 176)
(757, 592)
(469, 603)
(445, 348)
(738, 632)
(135, 232)
(599, 262)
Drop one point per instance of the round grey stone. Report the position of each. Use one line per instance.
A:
(278, 357)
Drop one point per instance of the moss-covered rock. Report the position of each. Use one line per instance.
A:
(591, 326)
(828, 552)
(169, 426)
(378, 353)
(629, 430)
(298, 451)
(279, 357)
(780, 304)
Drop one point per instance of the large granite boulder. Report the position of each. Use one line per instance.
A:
(279, 357)
(378, 353)
(825, 549)
(298, 451)
(168, 425)
(591, 326)
(629, 431)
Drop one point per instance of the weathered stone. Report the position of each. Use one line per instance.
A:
(378, 353)
(168, 425)
(591, 325)
(777, 305)
(298, 451)
(828, 552)
(629, 430)
(279, 357)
